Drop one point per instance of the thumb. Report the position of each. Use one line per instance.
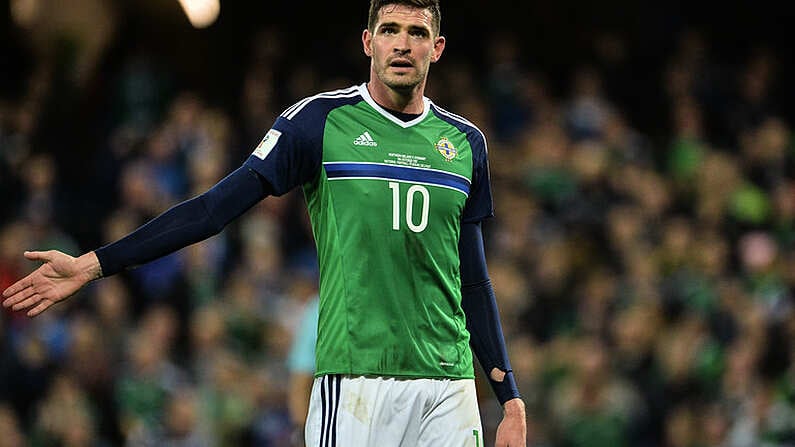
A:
(45, 256)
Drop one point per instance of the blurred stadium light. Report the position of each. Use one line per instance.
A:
(201, 13)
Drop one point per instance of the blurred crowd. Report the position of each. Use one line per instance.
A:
(644, 273)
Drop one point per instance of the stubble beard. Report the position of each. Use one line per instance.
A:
(401, 83)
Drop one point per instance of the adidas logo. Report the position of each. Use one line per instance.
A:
(365, 140)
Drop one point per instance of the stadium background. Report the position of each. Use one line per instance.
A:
(643, 250)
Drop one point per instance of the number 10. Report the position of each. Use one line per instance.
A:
(410, 194)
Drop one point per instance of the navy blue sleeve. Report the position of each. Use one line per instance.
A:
(186, 223)
(482, 316)
(479, 205)
(290, 153)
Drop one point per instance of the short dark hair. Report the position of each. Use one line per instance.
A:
(432, 5)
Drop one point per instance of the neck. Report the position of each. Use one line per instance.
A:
(405, 101)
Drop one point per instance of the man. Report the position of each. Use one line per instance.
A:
(396, 189)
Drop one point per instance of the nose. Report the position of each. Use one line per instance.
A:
(402, 43)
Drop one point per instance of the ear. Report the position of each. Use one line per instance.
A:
(438, 48)
(367, 41)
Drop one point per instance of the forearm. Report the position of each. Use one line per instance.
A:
(482, 315)
(186, 223)
(487, 340)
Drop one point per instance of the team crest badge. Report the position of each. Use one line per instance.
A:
(446, 148)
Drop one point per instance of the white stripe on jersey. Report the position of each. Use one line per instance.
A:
(297, 107)
(309, 98)
(463, 120)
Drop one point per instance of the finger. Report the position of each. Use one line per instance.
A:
(44, 305)
(44, 256)
(31, 301)
(18, 286)
(19, 296)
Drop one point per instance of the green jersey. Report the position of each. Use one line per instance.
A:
(386, 198)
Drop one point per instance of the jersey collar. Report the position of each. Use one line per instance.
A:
(426, 106)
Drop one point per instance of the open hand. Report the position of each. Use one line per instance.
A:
(60, 277)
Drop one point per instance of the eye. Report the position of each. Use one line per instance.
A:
(419, 32)
(388, 30)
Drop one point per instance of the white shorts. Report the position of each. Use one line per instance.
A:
(386, 412)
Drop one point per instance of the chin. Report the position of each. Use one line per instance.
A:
(401, 83)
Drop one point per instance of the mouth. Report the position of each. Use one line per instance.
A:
(401, 63)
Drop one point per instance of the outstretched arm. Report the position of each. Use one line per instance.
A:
(189, 222)
(487, 340)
